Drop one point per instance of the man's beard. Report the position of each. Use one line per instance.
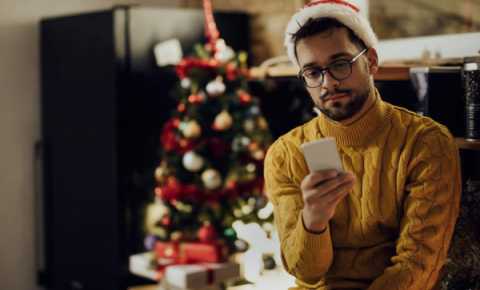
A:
(340, 111)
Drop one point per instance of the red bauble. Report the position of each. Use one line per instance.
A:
(168, 137)
(231, 71)
(245, 98)
(171, 191)
(207, 233)
(181, 107)
(231, 184)
(176, 122)
(166, 221)
(195, 99)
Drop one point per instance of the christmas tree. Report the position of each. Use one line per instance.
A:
(210, 172)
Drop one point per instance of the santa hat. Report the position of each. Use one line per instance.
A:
(341, 10)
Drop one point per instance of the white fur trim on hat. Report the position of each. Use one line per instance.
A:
(343, 11)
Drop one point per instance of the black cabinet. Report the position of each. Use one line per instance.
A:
(103, 102)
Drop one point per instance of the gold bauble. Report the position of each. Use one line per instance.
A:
(191, 129)
(223, 121)
(262, 123)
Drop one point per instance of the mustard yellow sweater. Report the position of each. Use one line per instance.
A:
(392, 232)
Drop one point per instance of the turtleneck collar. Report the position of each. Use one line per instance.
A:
(360, 129)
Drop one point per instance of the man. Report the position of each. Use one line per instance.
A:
(386, 223)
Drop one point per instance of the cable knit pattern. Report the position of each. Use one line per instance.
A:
(393, 230)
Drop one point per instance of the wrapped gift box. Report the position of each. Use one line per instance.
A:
(143, 265)
(199, 276)
(201, 253)
(188, 253)
(165, 286)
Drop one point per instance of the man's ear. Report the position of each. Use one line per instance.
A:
(372, 60)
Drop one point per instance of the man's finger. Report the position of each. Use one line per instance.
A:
(312, 179)
(327, 188)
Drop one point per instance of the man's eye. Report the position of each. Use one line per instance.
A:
(340, 65)
(312, 73)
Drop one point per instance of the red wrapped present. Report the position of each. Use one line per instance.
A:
(168, 253)
(202, 253)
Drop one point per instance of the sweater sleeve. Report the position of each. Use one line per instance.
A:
(305, 255)
(430, 210)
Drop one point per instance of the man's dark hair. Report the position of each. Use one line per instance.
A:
(319, 25)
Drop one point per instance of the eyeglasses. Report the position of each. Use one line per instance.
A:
(313, 77)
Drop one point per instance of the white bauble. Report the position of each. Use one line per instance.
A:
(185, 83)
(216, 87)
(192, 161)
(258, 154)
(211, 179)
(249, 125)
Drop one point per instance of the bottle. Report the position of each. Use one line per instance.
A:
(471, 78)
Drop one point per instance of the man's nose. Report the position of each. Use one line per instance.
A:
(329, 83)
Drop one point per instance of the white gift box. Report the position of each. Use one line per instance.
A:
(199, 276)
(141, 265)
(165, 286)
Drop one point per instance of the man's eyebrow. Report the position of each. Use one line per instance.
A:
(340, 54)
(309, 65)
(332, 57)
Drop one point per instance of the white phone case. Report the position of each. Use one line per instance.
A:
(322, 154)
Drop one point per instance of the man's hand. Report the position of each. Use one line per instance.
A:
(322, 191)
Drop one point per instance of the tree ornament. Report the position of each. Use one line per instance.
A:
(160, 173)
(231, 71)
(176, 236)
(154, 212)
(181, 107)
(223, 121)
(251, 168)
(191, 129)
(252, 146)
(244, 97)
(247, 209)
(241, 245)
(216, 87)
(224, 52)
(262, 123)
(211, 179)
(192, 161)
(207, 233)
(166, 221)
(196, 98)
(231, 183)
(160, 232)
(258, 154)
(186, 83)
(254, 110)
(240, 142)
(149, 242)
(230, 233)
(249, 125)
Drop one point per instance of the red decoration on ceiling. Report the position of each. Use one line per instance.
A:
(345, 3)
(211, 31)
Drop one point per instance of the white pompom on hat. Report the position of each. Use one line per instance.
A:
(341, 10)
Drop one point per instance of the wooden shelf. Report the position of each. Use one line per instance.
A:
(467, 144)
(393, 73)
(385, 73)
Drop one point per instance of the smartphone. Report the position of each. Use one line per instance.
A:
(322, 154)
